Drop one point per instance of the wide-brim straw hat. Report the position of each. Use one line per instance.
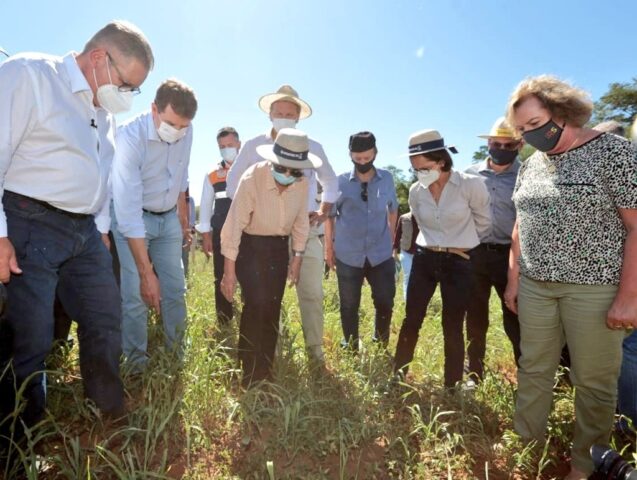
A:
(287, 94)
(500, 128)
(291, 149)
(426, 141)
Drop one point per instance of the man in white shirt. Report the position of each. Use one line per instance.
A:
(56, 144)
(285, 109)
(213, 211)
(150, 178)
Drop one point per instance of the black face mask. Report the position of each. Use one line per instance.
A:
(502, 157)
(544, 138)
(363, 167)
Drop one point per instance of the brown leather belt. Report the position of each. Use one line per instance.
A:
(456, 251)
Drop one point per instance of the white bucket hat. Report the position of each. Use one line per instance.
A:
(500, 128)
(426, 141)
(287, 94)
(291, 149)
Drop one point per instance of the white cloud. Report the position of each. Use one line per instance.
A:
(420, 52)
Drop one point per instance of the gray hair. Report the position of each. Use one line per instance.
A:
(127, 39)
(611, 126)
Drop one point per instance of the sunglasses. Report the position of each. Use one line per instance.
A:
(294, 172)
(505, 146)
(364, 192)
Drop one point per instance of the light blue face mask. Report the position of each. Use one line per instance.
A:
(283, 179)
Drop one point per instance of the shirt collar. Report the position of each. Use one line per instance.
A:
(76, 77)
(352, 175)
(150, 126)
(513, 169)
(454, 178)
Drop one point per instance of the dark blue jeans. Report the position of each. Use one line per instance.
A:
(453, 273)
(490, 265)
(63, 252)
(382, 281)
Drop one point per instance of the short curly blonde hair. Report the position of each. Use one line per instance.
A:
(563, 100)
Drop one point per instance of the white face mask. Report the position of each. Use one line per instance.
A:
(228, 154)
(169, 133)
(427, 177)
(280, 123)
(109, 96)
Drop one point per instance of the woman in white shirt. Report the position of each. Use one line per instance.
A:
(452, 212)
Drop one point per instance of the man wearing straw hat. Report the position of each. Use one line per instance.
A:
(491, 258)
(285, 109)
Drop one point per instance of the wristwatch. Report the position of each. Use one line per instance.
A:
(298, 254)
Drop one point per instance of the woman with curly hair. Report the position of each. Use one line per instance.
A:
(573, 265)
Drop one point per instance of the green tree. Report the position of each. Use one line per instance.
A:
(619, 103)
(481, 154)
(402, 182)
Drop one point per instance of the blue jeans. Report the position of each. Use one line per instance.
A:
(627, 399)
(406, 259)
(453, 273)
(64, 252)
(163, 241)
(350, 282)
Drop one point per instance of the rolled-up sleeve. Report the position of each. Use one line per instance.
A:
(301, 226)
(206, 207)
(479, 204)
(128, 190)
(17, 117)
(238, 217)
(326, 176)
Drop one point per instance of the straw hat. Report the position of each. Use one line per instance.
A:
(427, 141)
(500, 128)
(291, 149)
(288, 94)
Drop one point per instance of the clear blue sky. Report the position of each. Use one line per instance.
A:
(391, 67)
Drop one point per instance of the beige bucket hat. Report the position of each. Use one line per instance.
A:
(291, 149)
(288, 94)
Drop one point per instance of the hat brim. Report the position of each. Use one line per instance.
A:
(266, 101)
(267, 152)
(487, 137)
(451, 148)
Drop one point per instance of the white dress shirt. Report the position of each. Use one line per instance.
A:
(459, 219)
(148, 173)
(48, 149)
(248, 156)
(206, 207)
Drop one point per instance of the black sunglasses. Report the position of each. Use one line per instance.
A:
(364, 191)
(295, 172)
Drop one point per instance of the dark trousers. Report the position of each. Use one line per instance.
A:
(62, 325)
(223, 306)
(262, 266)
(382, 281)
(453, 273)
(58, 251)
(490, 264)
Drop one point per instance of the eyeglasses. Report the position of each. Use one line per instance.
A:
(295, 172)
(414, 171)
(504, 146)
(364, 192)
(124, 87)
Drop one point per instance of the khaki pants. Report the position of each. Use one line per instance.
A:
(550, 314)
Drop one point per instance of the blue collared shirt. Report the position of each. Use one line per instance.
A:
(361, 227)
(148, 173)
(500, 187)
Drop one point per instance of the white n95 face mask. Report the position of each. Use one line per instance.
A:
(228, 153)
(280, 123)
(109, 96)
(427, 177)
(169, 133)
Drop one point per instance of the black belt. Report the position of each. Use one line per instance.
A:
(498, 247)
(160, 213)
(48, 206)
